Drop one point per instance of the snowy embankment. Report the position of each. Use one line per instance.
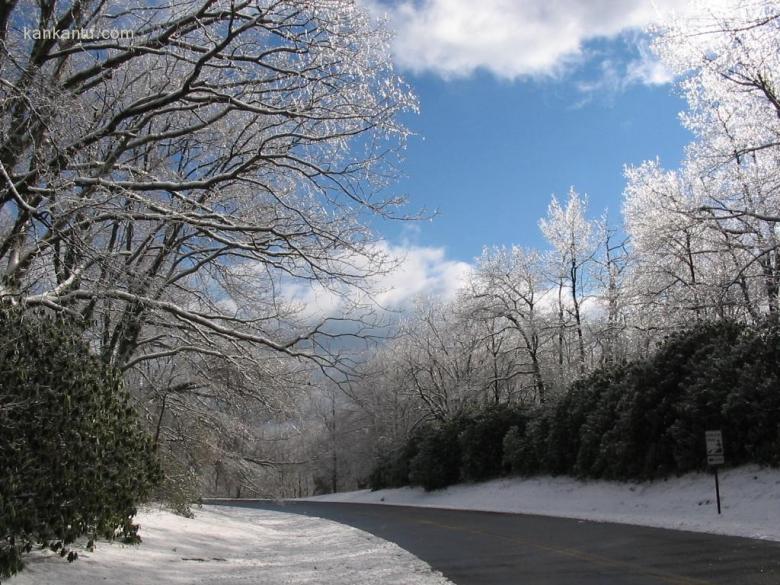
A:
(232, 546)
(750, 499)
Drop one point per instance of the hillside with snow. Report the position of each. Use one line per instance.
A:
(750, 498)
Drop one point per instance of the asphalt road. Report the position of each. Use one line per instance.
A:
(481, 548)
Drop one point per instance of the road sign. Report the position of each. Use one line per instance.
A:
(714, 441)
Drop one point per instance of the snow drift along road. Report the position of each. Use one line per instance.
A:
(750, 496)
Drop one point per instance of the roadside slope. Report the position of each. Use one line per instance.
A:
(750, 498)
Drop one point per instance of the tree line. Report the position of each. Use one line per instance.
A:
(637, 420)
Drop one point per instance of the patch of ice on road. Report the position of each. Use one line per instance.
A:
(750, 498)
(236, 546)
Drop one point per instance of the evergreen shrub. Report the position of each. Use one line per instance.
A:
(73, 459)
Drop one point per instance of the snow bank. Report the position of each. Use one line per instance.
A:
(236, 546)
(750, 498)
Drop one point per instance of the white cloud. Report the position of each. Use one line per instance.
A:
(512, 38)
(314, 300)
(418, 270)
(421, 270)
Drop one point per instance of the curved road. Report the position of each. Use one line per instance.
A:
(481, 548)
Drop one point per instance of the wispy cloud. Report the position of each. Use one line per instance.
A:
(617, 73)
(647, 69)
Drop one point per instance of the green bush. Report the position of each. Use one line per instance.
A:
(74, 460)
(751, 407)
(649, 418)
(391, 469)
(670, 400)
(520, 456)
(482, 442)
(437, 462)
(179, 485)
(599, 405)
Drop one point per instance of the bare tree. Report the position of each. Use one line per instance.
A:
(611, 276)
(570, 235)
(506, 289)
(442, 357)
(167, 186)
(728, 55)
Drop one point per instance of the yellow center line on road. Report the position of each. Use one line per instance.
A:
(598, 560)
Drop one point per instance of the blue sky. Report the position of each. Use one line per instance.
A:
(490, 153)
(521, 99)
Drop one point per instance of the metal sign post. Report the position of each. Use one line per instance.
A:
(715, 456)
(717, 488)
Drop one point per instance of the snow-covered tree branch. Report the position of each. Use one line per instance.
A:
(166, 185)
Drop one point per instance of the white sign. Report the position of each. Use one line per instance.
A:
(714, 441)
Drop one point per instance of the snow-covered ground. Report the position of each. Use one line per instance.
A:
(750, 498)
(224, 546)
